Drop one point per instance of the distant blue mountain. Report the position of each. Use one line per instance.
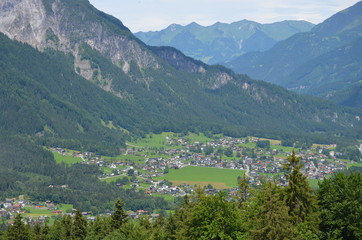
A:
(221, 42)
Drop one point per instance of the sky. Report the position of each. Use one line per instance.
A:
(155, 15)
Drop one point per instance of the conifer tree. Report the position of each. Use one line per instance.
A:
(269, 218)
(18, 231)
(301, 201)
(298, 194)
(66, 225)
(243, 189)
(119, 217)
(79, 230)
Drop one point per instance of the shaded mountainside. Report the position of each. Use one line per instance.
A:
(318, 62)
(221, 42)
(329, 73)
(140, 88)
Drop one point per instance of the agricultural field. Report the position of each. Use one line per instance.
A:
(68, 159)
(159, 140)
(35, 213)
(202, 176)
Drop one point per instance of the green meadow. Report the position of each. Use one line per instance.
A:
(159, 140)
(218, 177)
(59, 158)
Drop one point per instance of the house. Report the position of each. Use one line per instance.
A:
(57, 212)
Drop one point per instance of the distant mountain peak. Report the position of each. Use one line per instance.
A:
(311, 62)
(220, 42)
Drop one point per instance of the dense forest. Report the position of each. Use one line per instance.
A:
(268, 212)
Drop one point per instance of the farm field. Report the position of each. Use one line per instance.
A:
(159, 140)
(36, 212)
(202, 176)
(59, 158)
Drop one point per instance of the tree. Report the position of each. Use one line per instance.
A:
(79, 230)
(269, 215)
(243, 189)
(18, 231)
(298, 194)
(263, 144)
(66, 225)
(228, 152)
(119, 217)
(210, 217)
(209, 150)
(340, 201)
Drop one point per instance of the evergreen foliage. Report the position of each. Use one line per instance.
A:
(270, 219)
(119, 217)
(18, 231)
(298, 194)
(264, 215)
(340, 201)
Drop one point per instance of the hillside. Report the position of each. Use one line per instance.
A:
(221, 42)
(141, 88)
(318, 62)
(330, 72)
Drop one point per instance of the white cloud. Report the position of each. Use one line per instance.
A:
(146, 15)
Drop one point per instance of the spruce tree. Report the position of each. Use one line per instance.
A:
(119, 217)
(269, 218)
(301, 201)
(79, 230)
(18, 231)
(243, 190)
(66, 225)
(298, 194)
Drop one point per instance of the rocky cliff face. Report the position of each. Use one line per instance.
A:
(64, 25)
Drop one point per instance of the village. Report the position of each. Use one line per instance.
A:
(226, 152)
(47, 212)
(143, 168)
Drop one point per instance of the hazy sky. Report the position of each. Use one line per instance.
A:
(147, 15)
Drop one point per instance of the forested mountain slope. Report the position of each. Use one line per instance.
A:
(154, 89)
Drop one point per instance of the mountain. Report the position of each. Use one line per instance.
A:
(133, 88)
(330, 72)
(221, 42)
(319, 62)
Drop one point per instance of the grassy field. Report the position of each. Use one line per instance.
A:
(152, 141)
(202, 176)
(313, 183)
(59, 158)
(36, 212)
(167, 197)
(248, 145)
(272, 141)
(282, 148)
(192, 137)
(112, 179)
(123, 158)
(159, 140)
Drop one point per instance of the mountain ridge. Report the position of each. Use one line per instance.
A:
(220, 42)
(286, 63)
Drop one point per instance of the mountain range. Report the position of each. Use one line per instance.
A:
(222, 42)
(325, 61)
(86, 79)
